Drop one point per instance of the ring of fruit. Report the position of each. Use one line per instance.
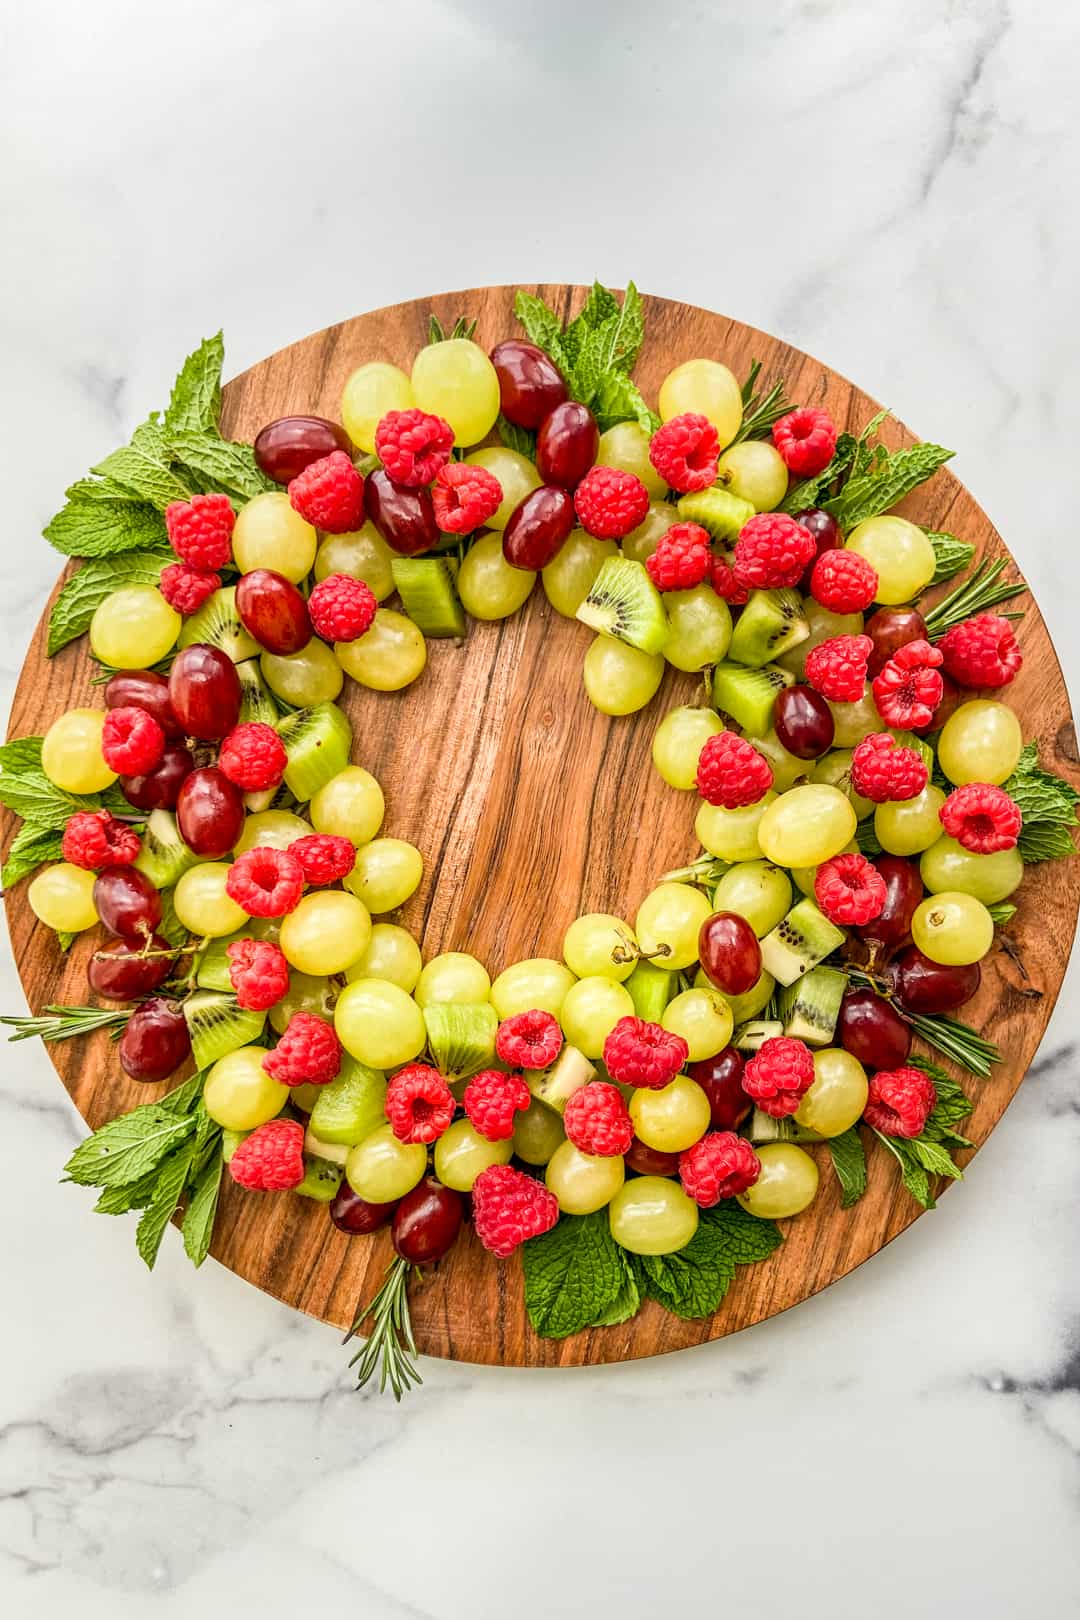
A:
(636, 1111)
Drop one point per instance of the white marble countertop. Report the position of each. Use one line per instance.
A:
(888, 187)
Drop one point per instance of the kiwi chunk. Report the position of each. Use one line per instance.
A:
(770, 623)
(217, 1025)
(748, 695)
(718, 511)
(256, 700)
(461, 1037)
(625, 604)
(318, 742)
(351, 1106)
(555, 1086)
(651, 988)
(164, 857)
(751, 1037)
(811, 1006)
(763, 1128)
(212, 972)
(799, 942)
(218, 623)
(429, 595)
(322, 1177)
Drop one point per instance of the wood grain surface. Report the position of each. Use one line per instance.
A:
(530, 808)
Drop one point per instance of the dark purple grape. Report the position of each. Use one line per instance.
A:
(209, 813)
(155, 1041)
(204, 690)
(426, 1222)
(720, 1078)
(530, 385)
(285, 447)
(273, 611)
(649, 1161)
(729, 952)
(566, 445)
(127, 902)
(889, 629)
(159, 789)
(827, 537)
(404, 517)
(871, 1029)
(903, 891)
(351, 1213)
(923, 986)
(120, 971)
(142, 689)
(538, 528)
(804, 722)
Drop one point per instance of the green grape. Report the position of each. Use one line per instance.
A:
(907, 827)
(269, 534)
(672, 1118)
(703, 1018)
(389, 656)
(62, 897)
(620, 679)
(239, 1094)
(804, 877)
(678, 741)
(489, 588)
(641, 542)
(461, 1154)
(538, 982)
(306, 993)
(304, 1097)
(732, 835)
(272, 829)
(591, 1008)
(990, 878)
(599, 944)
(517, 476)
(457, 381)
(453, 977)
(133, 628)
(901, 554)
(303, 679)
(626, 446)
(386, 872)
(325, 934)
(71, 755)
(203, 906)
(854, 721)
(652, 1215)
(752, 1002)
(787, 768)
(823, 627)
(837, 1097)
(757, 891)
(382, 1169)
(668, 923)
(583, 1182)
(809, 825)
(537, 1133)
(350, 805)
(787, 1185)
(835, 769)
(981, 741)
(570, 577)
(700, 628)
(392, 954)
(952, 928)
(363, 555)
(755, 472)
(379, 1024)
(369, 394)
(708, 389)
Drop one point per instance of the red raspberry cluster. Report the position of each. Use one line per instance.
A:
(597, 1120)
(265, 882)
(731, 772)
(307, 1054)
(492, 1099)
(258, 973)
(909, 687)
(509, 1208)
(342, 608)
(900, 1101)
(682, 558)
(271, 1159)
(95, 838)
(806, 440)
(529, 1040)
(638, 1053)
(610, 503)
(329, 494)
(465, 497)
(884, 771)
(200, 530)
(413, 446)
(982, 652)
(772, 552)
(837, 668)
(419, 1104)
(843, 582)
(253, 756)
(186, 588)
(982, 818)
(685, 452)
(132, 742)
(324, 857)
(721, 1165)
(849, 890)
(779, 1075)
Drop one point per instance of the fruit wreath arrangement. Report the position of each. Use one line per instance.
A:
(636, 1116)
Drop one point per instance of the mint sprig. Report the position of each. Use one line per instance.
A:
(596, 352)
(929, 1155)
(516, 438)
(950, 554)
(85, 591)
(883, 479)
(692, 1282)
(849, 1163)
(1049, 807)
(575, 1275)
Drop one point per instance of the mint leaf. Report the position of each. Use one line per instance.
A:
(170, 927)
(220, 465)
(541, 324)
(1045, 843)
(196, 395)
(92, 527)
(85, 591)
(884, 482)
(618, 399)
(31, 846)
(198, 1227)
(1048, 805)
(620, 334)
(950, 553)
(598, 308)
(142, 468)
(952, 1105)
(692, 1282)
(912, 1174)
(186, 1098)
(934, 1157)
(808, 492)
(867, 839)
(849, 1162)
(168, 1189)
(517, 438)
(27, 791)
(128, 1148)
(627, 1301)
(122, 1200)
(1002, 913)
(574, 1274)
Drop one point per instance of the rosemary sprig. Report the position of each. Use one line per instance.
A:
(65, 1023)
(760, 411)
(954, 1039)
(390, 1345)
(982, 591)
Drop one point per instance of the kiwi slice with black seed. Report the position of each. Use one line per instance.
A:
(555, 1086)
(625, 604)
(799, 942)
(218, 1025)
(751, 1037)
(318, 742)
(718, 511)
(811, 1006)
(770, 623)
(429, 595)
(351, 1106)
(461, 1037)
(217, 624)
(748, 695)
(256, 700)
(164, 857)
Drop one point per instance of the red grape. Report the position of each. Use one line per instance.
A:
(566, 445)
(827, 537)
(871, 1029)
(120, 972)
(142, 689)
(404, 517)
(951, 698)
(204, 690)
(649, 1161)
(127, 902)
(720, 1078)
(890, 628)
(209, 813)
(272, 610)
(804, 722)
(159, 789)
(285, 447)
(530, 385)
(729, 952)
(538, 528)
(426, 1222)
(903, 891)
(351, 1213)
(922, 986)
(156, 1040)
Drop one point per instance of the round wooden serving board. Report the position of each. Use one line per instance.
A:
(530, 808)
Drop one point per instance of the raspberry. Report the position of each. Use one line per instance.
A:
(883, 771)
(529, 1040)
(724, 582)
(413, 446)
(900, 1101)
(200, 530)
(637, 1053)
(94, 838)
(772, 551)
(981, 818)
(682, 558)
(253, 756)
(258, 972)
(849, 890)
(464, 497)
(982, 652)
(329, 494)
(491, 1101)
(598, 1121)
(419, 1103)
(307, 1054)
(837, 668)
(720, 1166)
(731, 772)
(806, 440)
(323, 857)
(609, 503)
(185, 588)
(779, 1075)
(265, 882)
(843, 582)
(342, 608)
(909, 687)
(684, 452)
(271, 1159)
(132, 742)
(509, 1208)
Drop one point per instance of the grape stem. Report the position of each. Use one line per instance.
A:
(705, 871)
(390, 1346)
(59, 1023)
